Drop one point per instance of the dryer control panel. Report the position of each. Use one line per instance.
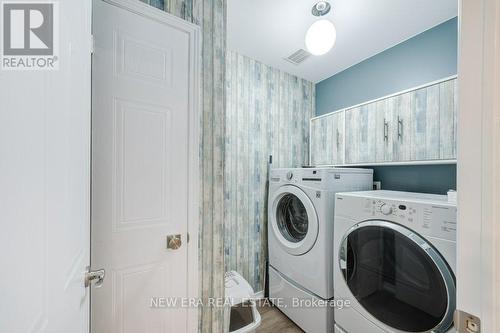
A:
(435, 220)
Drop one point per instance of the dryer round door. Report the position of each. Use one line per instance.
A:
(294, 221)
(398, 277)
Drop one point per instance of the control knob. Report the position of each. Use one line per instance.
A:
(386, 209)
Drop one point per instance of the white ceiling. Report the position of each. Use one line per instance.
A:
(270, 30)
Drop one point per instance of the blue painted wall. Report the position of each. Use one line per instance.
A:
(437, 179)
(427, 57)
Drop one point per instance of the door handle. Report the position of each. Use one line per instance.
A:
(94, 277)
(386, 130)
(174, 242)
(400, 128)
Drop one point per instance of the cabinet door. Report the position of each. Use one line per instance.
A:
(327, 140)
(447, 120)
(316, 137)
(339, 146)
(383, 134)
(321, 141)
(425, 124)
(338, 139)
(361, 134)
(402, 121)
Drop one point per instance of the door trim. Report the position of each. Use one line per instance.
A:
(194, 109)
(478, 172)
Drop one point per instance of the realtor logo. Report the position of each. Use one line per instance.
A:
(30, 35)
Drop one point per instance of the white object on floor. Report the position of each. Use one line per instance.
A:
(395, 260)
(237, 288)
(300, 229)
(238, 291)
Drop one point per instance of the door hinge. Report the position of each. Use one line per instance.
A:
(466, 323)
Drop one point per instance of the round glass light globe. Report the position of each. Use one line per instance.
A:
(320, 37)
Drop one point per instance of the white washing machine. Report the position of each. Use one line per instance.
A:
(300, 239)
(394, 260)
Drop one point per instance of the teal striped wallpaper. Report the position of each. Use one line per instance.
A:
(210, 15)
(267, 113)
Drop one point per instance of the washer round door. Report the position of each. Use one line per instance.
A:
(398, 277)
(294, 221)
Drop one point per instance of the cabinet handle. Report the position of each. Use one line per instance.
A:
(400, 128)
(386, 130)
(338, 138)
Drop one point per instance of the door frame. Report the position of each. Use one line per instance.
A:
(478, 172)
(194, 110)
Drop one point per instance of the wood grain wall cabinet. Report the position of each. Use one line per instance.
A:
(415, 126)
(425, 124)
(402, 106)
(448, 120)
(327, 139)
(363, 133)
(384, 134)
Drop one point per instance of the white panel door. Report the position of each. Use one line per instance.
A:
(45, 186)
(143, 153)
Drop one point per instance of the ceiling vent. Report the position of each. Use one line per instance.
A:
(298, 57)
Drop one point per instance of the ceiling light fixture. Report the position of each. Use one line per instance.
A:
(321, 35)
(321, 8)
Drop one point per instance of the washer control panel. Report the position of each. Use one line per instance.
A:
(437, 220)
